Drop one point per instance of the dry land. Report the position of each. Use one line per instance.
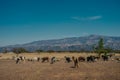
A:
(100, 70)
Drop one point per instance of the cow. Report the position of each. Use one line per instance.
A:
(45, 59)
(81, 59)
(68, 60)
(34, 59)
(53, 59)
(118, 59)
(105, 57)
(91, 58)
(38, 59)
(19, 58)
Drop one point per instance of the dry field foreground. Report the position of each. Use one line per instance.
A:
(100, 70)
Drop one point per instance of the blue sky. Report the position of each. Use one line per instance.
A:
(23, 21)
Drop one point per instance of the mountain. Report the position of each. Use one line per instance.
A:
(69, 44)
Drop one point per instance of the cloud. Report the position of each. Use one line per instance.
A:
(94, 17)
(76, 18)
(86, 18)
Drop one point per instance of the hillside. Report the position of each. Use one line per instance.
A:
(69, 44)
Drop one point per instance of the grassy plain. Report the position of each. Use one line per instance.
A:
(100, 70)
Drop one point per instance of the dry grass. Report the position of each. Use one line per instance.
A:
(100, 70)
(31, 55)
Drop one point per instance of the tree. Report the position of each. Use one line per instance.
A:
(38, 51)
(100, 49)
(19, 50)
(100, 44)
(50, 51)
(108, 50)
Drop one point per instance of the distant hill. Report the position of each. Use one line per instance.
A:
(69, 44)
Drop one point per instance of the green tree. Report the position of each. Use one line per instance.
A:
(19, 50)
(100, 49)
(100, 44)
(50, 51)
(39, 51)
(109, 50)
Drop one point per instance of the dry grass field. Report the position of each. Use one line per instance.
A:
(100, 70)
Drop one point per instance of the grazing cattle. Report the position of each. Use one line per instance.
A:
(20, 58)
(38, 59)
(81, 59)
(45, 59)
(75, 60)
(53, 60)
(117, 58)
(91, 59)
(105, 57)
(68, 59)
(34, 59)
(110, 55)
(17, 60)
(97, 57)
(30, 59)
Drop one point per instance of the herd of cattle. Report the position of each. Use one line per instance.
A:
(67, 59)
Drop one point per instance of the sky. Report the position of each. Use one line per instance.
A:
(24, 21)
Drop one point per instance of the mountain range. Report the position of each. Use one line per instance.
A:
(69, 44)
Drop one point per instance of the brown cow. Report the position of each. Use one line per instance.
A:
(45, 59)
(81, 59)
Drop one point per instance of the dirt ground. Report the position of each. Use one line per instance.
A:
(100, 70)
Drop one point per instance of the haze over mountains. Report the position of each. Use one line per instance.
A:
(69, 44)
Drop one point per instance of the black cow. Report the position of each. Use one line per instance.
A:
(68, 59)
(91, 59)
(105, 57)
